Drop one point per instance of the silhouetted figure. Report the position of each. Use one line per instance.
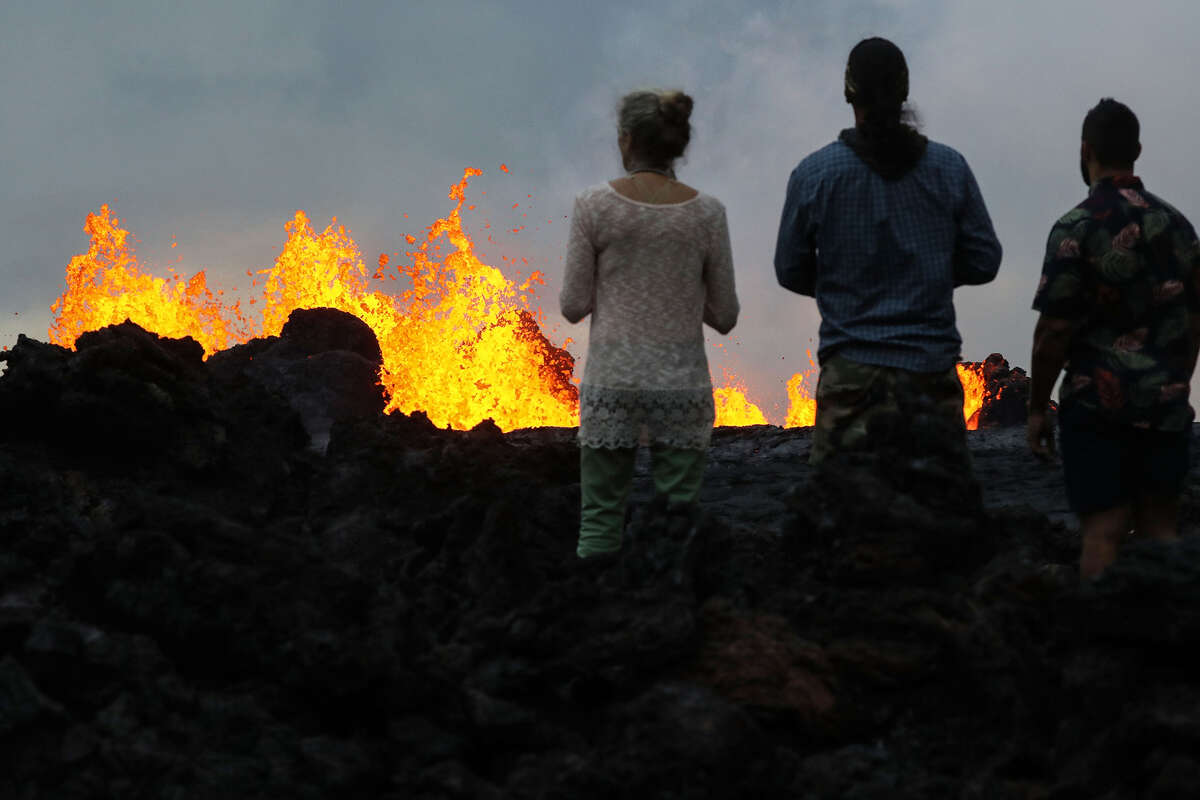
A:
(649, 258)
(880, 227)
(1120, 309)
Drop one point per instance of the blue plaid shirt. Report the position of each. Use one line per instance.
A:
(882, 258)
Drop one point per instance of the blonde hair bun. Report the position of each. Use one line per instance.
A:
(657, 123)
(676, 106)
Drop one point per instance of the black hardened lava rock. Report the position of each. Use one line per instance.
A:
(194, 602)
(1006, 392)
(129, 400)
(323, 330)
(324, 364)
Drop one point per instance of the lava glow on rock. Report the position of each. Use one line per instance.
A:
(462, 344)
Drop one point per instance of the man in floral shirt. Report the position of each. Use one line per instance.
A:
(1120, 309)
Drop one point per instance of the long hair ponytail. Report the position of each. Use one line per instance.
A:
(877, 85)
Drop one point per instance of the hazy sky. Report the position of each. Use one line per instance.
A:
(212, 123)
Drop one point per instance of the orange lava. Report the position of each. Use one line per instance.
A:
(106, 287)
(802, 407)
(461, 344)
(734, 409)
(802, 403)
(971, 378)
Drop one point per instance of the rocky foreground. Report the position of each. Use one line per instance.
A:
(237, 578)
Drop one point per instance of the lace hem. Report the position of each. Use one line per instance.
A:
(613, 418)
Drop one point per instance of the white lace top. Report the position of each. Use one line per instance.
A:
(650, 276)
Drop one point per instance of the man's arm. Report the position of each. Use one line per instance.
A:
(795, 253)
(1064, 300)
(1194, 319)
(1193, 298)
(977, 251)
(1052, 339)
(1051, 342)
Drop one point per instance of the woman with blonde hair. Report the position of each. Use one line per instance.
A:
(649, 258)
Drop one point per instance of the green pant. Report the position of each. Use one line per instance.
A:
(605, 477)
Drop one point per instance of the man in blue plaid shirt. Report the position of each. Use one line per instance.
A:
(880, 227)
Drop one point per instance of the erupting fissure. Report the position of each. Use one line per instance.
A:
(462, 344)
(734, 408)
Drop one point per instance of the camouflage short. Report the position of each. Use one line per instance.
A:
(868, 407)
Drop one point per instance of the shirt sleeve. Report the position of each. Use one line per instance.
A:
(977, 251)
(795, 247)
(579, 279)
(1192, 271)
(720, 299)
(1062, 291)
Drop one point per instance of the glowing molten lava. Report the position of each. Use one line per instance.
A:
(460, 345)
(974, 385)
(802, 404)
(733, 408)
(105, 287)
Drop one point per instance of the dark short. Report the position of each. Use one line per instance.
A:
(1108, 465)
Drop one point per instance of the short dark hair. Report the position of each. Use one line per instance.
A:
(1112, 130)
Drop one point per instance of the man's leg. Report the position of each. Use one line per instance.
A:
(604, 479)
(1098, 476)
(1161, 460)
(678, 473)
(1156, 516)
(847, 393)
(943, 392)
(1101, 532)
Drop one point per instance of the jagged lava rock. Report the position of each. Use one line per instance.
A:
(401, 614)
(1006, 392)
(325, 363)
(130, 399)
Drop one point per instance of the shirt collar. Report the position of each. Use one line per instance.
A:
(1117, 182)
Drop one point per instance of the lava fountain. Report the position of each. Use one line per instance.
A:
(105, 286)
(734, 407)
(974, 385)
(461, 344)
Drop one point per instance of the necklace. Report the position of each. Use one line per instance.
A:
(668, 174)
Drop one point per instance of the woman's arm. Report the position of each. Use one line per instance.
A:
(579, 281)
(720, 301)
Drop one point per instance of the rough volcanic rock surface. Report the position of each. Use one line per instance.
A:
(196, 603)
(324, 364)
(1006, 392)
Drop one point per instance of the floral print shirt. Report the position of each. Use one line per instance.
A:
(1125, 266)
